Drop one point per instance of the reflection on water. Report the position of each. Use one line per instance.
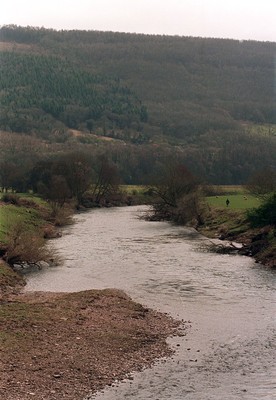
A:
(229, 351)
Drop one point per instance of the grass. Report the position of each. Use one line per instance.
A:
(29, 211)
(237, 201)
(11, 214)
(133, 189)
(221, 221)
(37, 200)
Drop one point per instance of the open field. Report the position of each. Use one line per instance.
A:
(237, 201)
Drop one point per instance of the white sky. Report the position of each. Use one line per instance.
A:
(238, 19)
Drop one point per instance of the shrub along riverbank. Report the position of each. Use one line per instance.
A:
(233, 225)
(25, 224)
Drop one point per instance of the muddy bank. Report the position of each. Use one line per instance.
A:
(10, 281)
(57, 346)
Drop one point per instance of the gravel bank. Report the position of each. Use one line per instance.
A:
(56, 346)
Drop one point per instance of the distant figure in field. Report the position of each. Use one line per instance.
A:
(227, 202)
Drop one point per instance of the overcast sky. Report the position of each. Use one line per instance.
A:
(238, 19)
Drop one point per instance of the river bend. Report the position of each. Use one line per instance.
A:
(228, 352)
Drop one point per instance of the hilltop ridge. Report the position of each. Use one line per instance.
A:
(211, 100)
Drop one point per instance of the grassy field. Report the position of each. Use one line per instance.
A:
(237, 201)
(133, 189)
(237, 195)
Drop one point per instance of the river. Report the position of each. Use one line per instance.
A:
(229, 301)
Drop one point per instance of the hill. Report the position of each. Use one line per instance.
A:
(211, 101)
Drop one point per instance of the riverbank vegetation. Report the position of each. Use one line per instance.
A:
(236, 214)
(248, 220)
(26, 221)
(234, 226)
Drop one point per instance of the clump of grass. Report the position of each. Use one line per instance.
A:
(11, 198)
(225, 222)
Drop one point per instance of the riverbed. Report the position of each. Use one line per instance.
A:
(228, 302)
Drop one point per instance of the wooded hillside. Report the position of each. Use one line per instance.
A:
(209, 100)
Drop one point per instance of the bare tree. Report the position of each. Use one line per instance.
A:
(107, 180)
(76, 169)
(177, 194)
(26, 247)
(262, 183)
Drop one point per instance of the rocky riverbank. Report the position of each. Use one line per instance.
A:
(57, 345)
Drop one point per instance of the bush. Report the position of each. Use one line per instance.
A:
(11, 198)
(26, 246)
(265, 214)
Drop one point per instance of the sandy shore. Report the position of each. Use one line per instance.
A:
(57, 346)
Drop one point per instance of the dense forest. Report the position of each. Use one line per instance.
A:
(140, 98)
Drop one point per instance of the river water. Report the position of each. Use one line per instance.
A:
(229, 301)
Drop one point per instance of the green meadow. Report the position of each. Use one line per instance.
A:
(237, 201)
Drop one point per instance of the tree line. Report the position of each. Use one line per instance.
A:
(217, 160)
(154, 95)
